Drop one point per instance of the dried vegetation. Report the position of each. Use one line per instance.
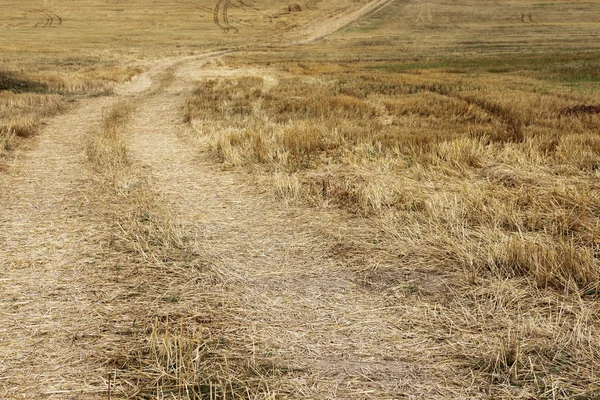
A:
(181, 343)
(488, 179)
(26, 99)
(469, 185)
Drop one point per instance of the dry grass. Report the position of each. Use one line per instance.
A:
(107, 150)
(182, 343)
(454, 152)
(487, 178)
(466, 171)
(21, 115)
(26, 99)
(54, 50)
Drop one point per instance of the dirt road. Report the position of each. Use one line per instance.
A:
(319, 29)
(57, 322)
(294, 300)
(71, 302)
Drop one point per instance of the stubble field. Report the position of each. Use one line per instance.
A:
(350, 200)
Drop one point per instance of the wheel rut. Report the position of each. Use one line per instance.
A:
(69, 300)
(295, 303)
(53, 261)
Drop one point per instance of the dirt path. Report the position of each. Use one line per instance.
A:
(50, 262)
(320, 29)
(295, 300)
(64, 312)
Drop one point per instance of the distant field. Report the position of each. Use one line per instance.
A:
(429, 29)
(134, 29)
(67, 34)
(550, 40)
(70, 48)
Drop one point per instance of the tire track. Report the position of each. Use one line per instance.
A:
(54, 321)
(316, 31)
(226, 16)
(50, 17)
(293, 306)
(68, 302)
(223, 13)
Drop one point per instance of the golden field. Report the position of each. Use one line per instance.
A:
(334, 202)
(489, 179)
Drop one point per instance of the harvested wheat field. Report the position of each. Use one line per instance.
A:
(259, 199)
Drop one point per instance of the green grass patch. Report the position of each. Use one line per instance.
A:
(17, 85)
(568, 68)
